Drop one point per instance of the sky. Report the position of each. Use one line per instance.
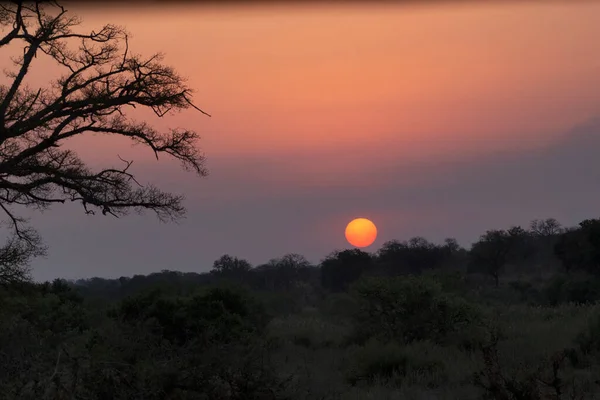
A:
(443, 119)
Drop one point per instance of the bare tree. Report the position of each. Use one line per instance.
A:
(231, 267)
(101, 79)
(547, 227)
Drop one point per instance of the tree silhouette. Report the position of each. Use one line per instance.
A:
(547, 227)
(545, 235)
(496, 248)
(232, 268)
(228, 264)
(591, 227)
(573, 250)
(341, 268)
(415, 255)
(101, 79)
(286, 271)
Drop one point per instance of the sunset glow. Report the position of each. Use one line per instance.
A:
(426, 114)
(180, 173)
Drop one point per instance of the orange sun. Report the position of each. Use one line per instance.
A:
(361, 232)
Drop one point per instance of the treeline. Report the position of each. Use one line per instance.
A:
(545, 249)
(432, 318)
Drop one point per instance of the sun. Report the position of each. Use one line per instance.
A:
(361, 232)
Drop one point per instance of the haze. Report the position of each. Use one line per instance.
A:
(439, 120)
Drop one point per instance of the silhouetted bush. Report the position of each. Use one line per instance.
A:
(341, 268)
(527, 293)
(340, 305)
(588, 340)
(391, 363)
(579, 289)
(409, 309)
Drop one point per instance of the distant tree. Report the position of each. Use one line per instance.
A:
(341, 268)
(490, 254)
(522, 246)
(496, 248)
(172, 282)
(579, 248)
(547, 227)
(65, 291)
(282, 273)
(291, 261)
(101, 80)
(451, 245)
(232, 269)
(545, 234)
(228, 265)
(453, 255)
(413, 256)
(287, 269)
(591, 227)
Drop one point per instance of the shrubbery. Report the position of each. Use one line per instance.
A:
(150, 346)
(392, 363)
(579, 289)
(409, 309)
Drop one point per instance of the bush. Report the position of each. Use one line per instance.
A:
(450, 281)
(280, 303)
(409, 309)
(33, 326)
(588, 340)
(339, 305)
(310, 331)
(579, 289)
(393, 363)
(209, 345)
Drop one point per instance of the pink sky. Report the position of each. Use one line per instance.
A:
(387, 82)
(326, 99)
(442, 80)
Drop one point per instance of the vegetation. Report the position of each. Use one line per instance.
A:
(101, 80)
(514, 317)
(389, 326)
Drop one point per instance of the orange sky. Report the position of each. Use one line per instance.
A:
(306, 97)
(387, 82)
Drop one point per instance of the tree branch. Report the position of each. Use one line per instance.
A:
(101, 81)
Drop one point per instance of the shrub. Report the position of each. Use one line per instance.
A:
(340, 305)
(393, 363)
(409, 309)
(579, 289)
(208, 344)
(311, 331)
(588, 340)
(450, 281)
(527, 293)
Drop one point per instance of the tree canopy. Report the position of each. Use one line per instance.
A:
(101, 80)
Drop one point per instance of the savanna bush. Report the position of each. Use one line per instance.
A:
(411, 308)
(527, 293)
(280, 303)
(392, 363)
(209, 345)
(587, 344)
(33, 326)
(450, 281)
(221, 313)
(579, 289)
(341, 305)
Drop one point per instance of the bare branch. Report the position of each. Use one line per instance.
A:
(101, 81)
